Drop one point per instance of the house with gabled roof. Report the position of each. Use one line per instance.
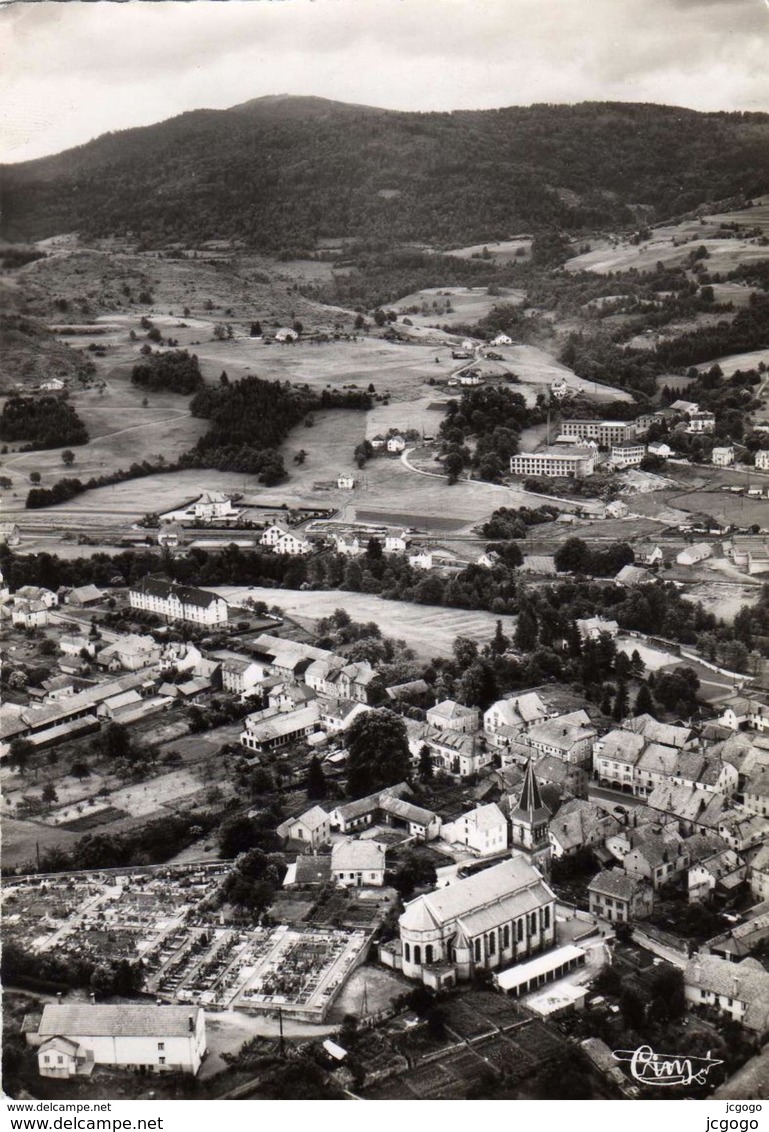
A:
(722, 872)
(619, 898)
(358, 863)
(483, 831)
(505, 719)
(738, 990)
(671, 735)
(312, 828)
(579, 824)
(448, 715)
(72, 1039)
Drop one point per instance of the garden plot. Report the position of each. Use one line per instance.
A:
(500, 251)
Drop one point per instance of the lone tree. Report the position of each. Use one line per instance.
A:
(35, 477)
(378, 752)
(67, 457)
(316, 782)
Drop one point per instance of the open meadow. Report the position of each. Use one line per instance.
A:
(430, 630)
(672, 244)
(468, 304)
(516, 250)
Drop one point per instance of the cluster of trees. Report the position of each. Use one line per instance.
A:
(575, 557)
(493, 416)
(249, 419)
(512, 522)
(155, 842)
(176, 371)
(378, 752)
(114, 977)
(43, 422)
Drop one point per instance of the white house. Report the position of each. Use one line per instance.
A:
(349, 547)
(273, 534)
(421, 559)
(762, 459)
(346, 480)
(74, 1038)
(449, 715)
(698, 552)
(397, 544)
(482, 831)
(29, 614)
(502, 340)
(292, 544)
(701, 422)
(358, 864)
(591, 628)
(722, 457)
(214, 505)
(396, 443)
(660, 449)
(286, 334)
(312, 827)
(648, 554)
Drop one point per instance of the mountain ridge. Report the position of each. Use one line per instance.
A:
(279, 172)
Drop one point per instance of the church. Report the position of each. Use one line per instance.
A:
(488, 921)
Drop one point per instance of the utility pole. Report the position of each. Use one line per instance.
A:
(281, 1046)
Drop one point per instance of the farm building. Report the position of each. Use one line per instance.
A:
(592, 628)
(73, 1039)
(286, 334)
(278, 729)
(452, 716)
(84, 595)
(633, 576)
(660, 449)
(29, 614)
(346, 480)
(396, 443)
(739, 990)
(698, 552)
(178, 603)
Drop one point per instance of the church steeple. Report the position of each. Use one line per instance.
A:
(531, 816)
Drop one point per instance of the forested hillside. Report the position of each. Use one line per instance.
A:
(282, 172)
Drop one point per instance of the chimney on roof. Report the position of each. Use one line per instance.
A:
(735, 986)
(191, 1023)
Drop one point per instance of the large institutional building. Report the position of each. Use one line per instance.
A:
(604, 433)
(491, 920)
(178, 603)
(574, 463)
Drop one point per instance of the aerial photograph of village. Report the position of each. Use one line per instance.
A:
(384, 566)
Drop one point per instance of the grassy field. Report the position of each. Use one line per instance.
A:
(730, 364)
(429, 630)
(469, 304)
(671, 244)
(501, 251)
(20, 837)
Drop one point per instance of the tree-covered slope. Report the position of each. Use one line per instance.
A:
(281, 172)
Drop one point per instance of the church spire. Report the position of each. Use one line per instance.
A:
(530, 806)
